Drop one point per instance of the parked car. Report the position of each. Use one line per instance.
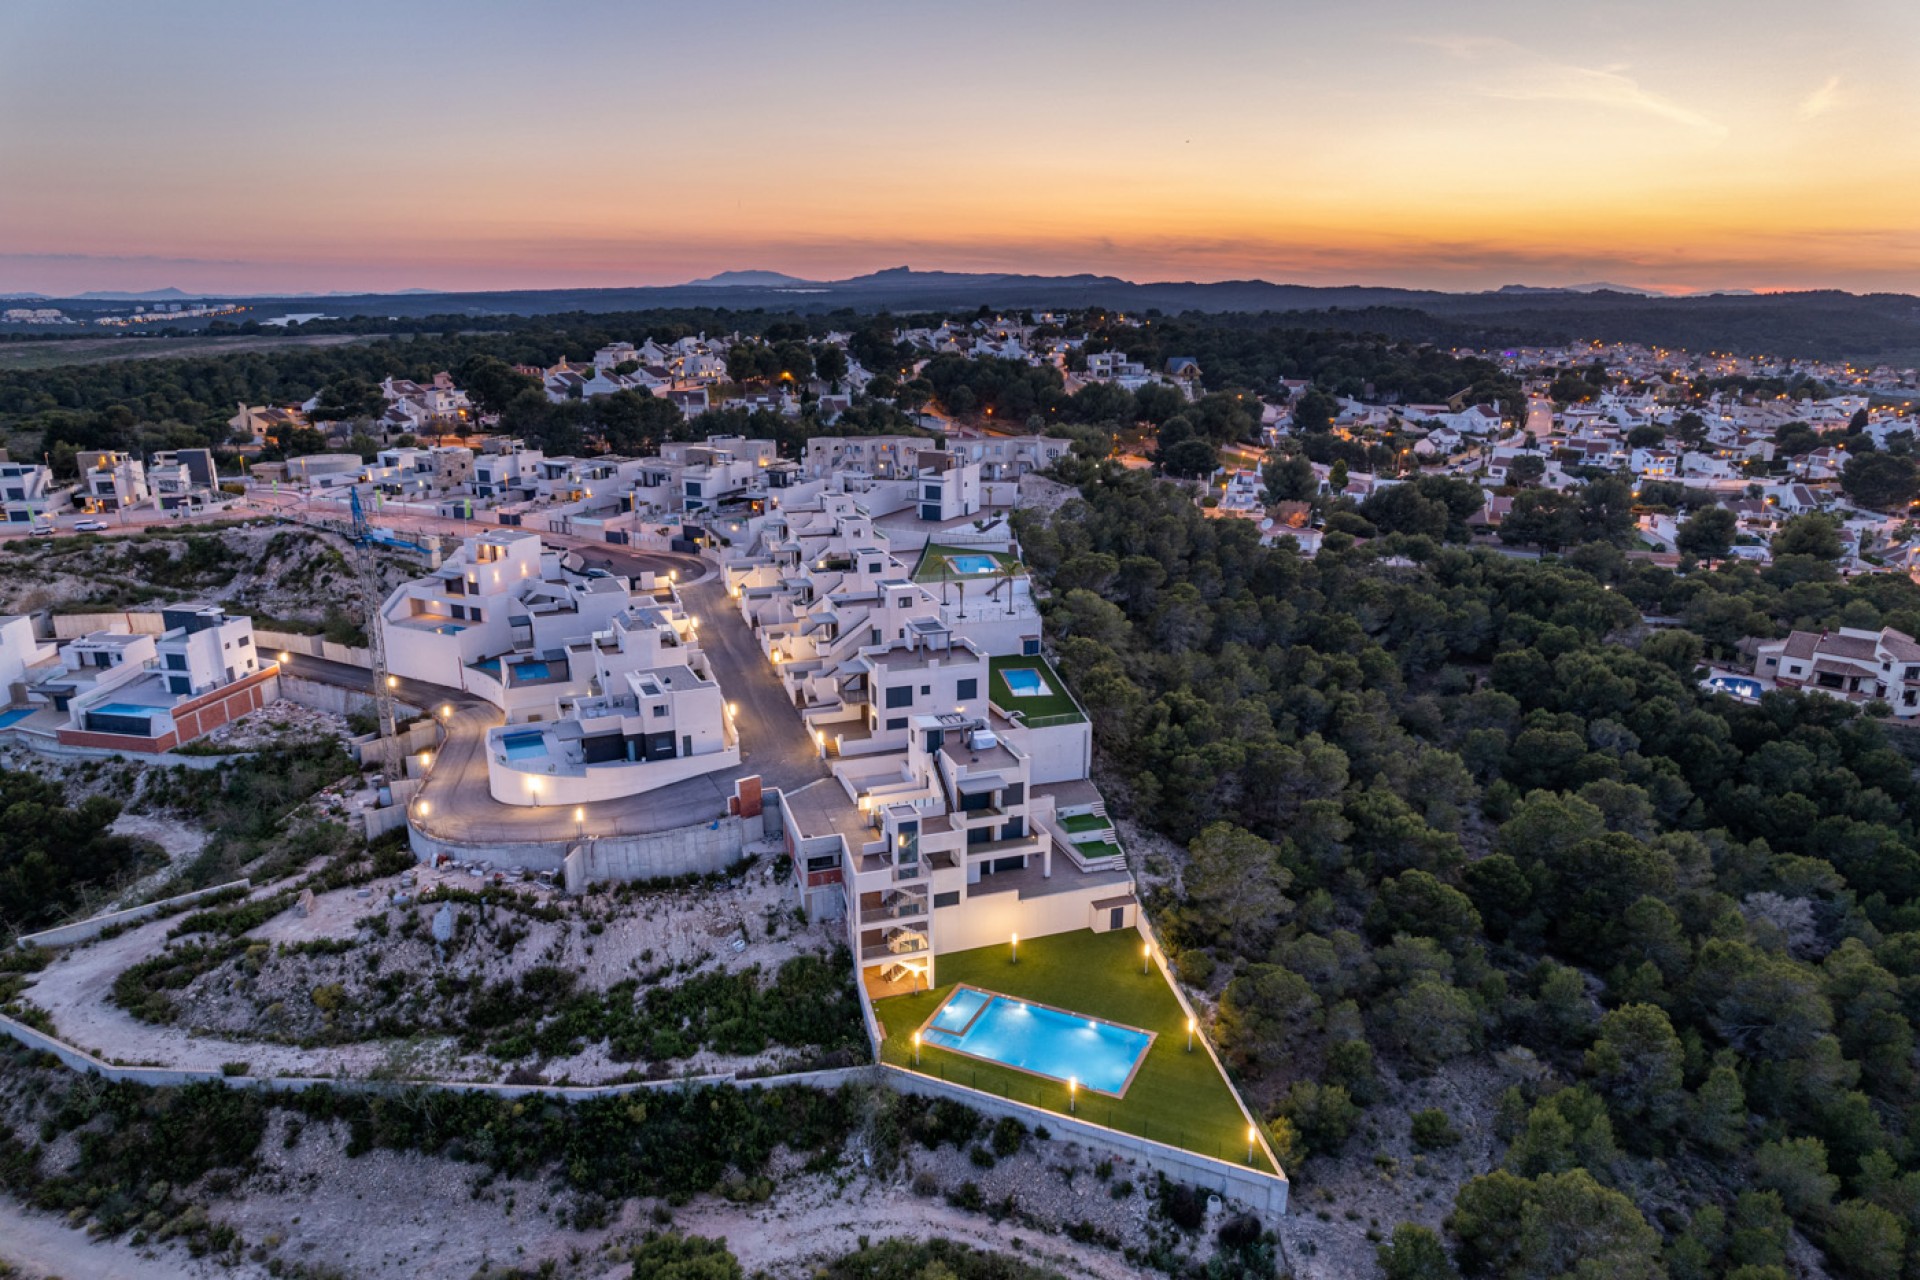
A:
(41, 531)
(89, 526)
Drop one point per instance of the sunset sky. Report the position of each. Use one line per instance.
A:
(345, 145)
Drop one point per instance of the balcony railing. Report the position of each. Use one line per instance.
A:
(898, 911)
(901, 949)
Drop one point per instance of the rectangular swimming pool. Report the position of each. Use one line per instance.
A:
(1038, 1039)
(14, 716)
(1025, 682)
(124, 709)
(973, 564)
(524, 746)
(531, 671)
(447, 629)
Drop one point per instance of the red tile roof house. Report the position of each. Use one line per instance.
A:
(1851, 663)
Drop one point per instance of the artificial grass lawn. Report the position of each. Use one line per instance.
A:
(1078, 822)
(1055, 702)
(933, 566)
(1176, 1097)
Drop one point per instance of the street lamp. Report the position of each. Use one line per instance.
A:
(1146, 955)
(916, 1048)
(1189, 1033)
(1073, 1093)
(1014, 946)
(1250, 1133)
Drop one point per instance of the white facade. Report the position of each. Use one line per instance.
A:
(28, 494)
(651, 714)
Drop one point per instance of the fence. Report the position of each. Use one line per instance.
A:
(69, 626)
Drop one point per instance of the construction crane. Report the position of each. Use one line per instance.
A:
(367, 577)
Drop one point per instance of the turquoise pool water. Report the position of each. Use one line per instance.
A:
(15, 716)
(1025, 682)
(1063, 1046)
(531, 671)
(124, 709)
(973, 564)
(1735, 685)
(524, 746)
(447, 629)
(489, 665)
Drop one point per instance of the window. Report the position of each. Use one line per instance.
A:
(1030, 647)
(949, 899)
(900, 722)
(176, 662)
(899, 696)
(925, 689)
(473, 614)
(659, 711)
(967, 689)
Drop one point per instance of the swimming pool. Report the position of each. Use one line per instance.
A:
(14, 716)
(524, 745)
(1738, 686)
(531, 671)
(973, 564)
(447, 629)
(1025, 682)
(124, 709)
(1042, 1041)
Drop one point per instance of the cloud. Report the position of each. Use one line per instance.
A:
(1820, 101)
(1529, 76)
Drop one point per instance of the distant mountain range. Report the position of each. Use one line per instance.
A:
(1816, 324)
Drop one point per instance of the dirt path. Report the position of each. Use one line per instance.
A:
(784, 1234)
(40, 1244)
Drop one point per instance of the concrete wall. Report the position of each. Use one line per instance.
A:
(991, 918)
(68, 626)
(312, 646)
(616, 780)
(324, 697)
(67, 935)
(1261, 1192)
(697, 850)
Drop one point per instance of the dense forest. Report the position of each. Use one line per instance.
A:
(1439, 803)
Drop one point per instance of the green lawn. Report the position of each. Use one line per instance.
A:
(1176, 1097)
(1078, 822)
(933, 566)
(1055, 702)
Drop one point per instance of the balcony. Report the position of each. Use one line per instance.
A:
(895, 906)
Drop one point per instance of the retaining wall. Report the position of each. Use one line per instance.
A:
(696, 850)
(323, 697)
(313, 647)
(1262, 1192)
(67, 935)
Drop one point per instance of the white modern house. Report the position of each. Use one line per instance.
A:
(651, 714)
(501, 592)
(1852, 664)
(28, 493)
(111, 481)
(21, 652)
(146, 692)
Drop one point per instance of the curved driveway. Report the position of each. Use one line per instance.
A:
(456, 806)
